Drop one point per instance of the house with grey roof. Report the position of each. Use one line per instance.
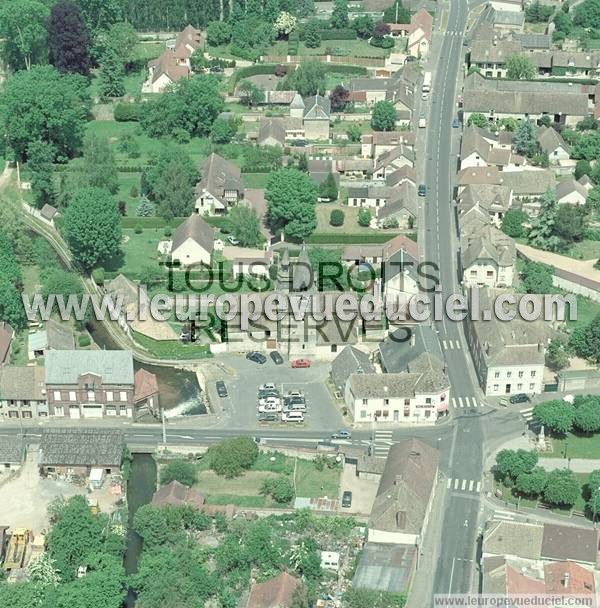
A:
(571, 192)
(89, 383)
(518, 99)
(552, 144)
(193, 242)
(23, 391)
(55, 335)
(271, 132)
(413, 396)
(493, 201)
(220, 186)
(402, 507)
(376, 143)
(316, 117)
(531, 184)
(479, 148)
(350, 360)
(390, 161)
(488, 257)
(76, 450)
(509, 356)
(401, 210)
(385, 567)
(12, 455)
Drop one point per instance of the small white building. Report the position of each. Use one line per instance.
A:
(330, 560)
(193, 242)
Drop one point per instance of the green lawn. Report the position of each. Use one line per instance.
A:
(586, 310)
(255, 180)
(137, 252)
(312, 483)
(172, 349)
(577, 446)
(341, 48)
(585, 250)
(350, 224)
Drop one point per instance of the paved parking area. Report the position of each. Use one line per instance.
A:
(363, 491)
(239, 408)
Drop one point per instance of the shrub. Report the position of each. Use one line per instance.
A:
(138, 229)
(178, 470)
(232, 457)
(167, 232)
(133, 193)
(98, 276)
(126, 112)
(338, 34)
(279, 488)
(336, 217)
(84, 340)
(364, 217)
(280, 70)
(382, 43)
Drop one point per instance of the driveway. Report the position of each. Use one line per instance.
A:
(239, 408)
(363, 491)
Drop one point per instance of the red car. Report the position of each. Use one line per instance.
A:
(301, 363)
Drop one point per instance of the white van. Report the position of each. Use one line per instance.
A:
(292, 417)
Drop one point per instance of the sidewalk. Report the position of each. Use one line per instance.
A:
(579, 465)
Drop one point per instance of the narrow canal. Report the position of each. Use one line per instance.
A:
(140, 488)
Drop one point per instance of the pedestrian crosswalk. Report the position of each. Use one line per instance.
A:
(506, 515)
(382, 443)
(527, 414)
(463, 402)
(451, 344)
(463, 485)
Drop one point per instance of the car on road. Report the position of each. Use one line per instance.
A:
(257, 357)
(347, 499)
(422, 122)
(301, 363)
(425, 96)
(276, 357)
(221, 389)
(455, 123)
(519, 398)
(422, 190)
(341, 434)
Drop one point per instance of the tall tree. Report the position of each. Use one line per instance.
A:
(308, 79)
(291, 196)
(99, 15)
(92, 227)
(556, 415)
(43, 104)
(339, 98)
(383, 117)
(97, 167)
(339, 15)
(112, 74)
(68, 39)
(173, 192)
(541, 234)
(562, 487)
(312, 33)
(585, 340)
(122, 38)
(40, 156)
(245, 226)
(520, 67)
(525, 141)
(23, 27)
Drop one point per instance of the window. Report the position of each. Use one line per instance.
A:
(123, 396)
(519, 387)
(533, 374)
(56, 395)
(496, 374)
(428, 400)
(365, 402)
(531, 386)
(91, 396)
(490, 274)
(473, 273)
(520, 374)
(406, 412)
(386, 413)
(109, 396)
(72, 396)
(427, 413)
(58, 410)
(363, 413)
(407, 402)
(378, 413)
(386, 402)
(496, 387)
(508, 374)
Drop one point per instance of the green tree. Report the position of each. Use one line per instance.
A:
(563, 22)
(173, 192)
(587, 123)
(23, 28)
(250, 94)
(562, 488)
(112, 75)
(98, 167)
(160, 161)
(222, 131)
(537, 278)
(336, 217)
(556, 415)
(61, 282)
(364, 217)
(478, 119)
(218, 32)
(508, 124)
(520, 67)
(536, 12)
(587, 14)
(582, 167)
(513, 223)
(291, 196)
(92, 227)
(557, 354)
(179, 470)
(339, 15)
(396, 13)
(383, 117)
(280, 488)
(307, 79)
(525, 141)
(531, 483)
(512, 463)
(9, 265)
(593, 199)
(587, 146)
(585, 341)
(363, 26)
(312, 33)
(11, 305)
(545, 120)
(354, 133)
(231, 457)
(587, 414)
(541, 234)
(571, 222)
(245, 225)
(328, 189)
(123, 39)
(43, 105)
(40, 156)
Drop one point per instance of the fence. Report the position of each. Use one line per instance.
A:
(372, 62)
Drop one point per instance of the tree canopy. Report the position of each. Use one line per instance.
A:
(68, 39)
(556, 415)
(231, 457)
(562, 487)
(383, 117)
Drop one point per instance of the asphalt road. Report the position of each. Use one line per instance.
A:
(464, 459)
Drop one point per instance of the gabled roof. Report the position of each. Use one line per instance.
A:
(405, 487)
(570, 542)
(145, 385)
(550, 139)
(297, 102)
(317, 107)
(167, 65)
(66, 366)
(59, 335)
(271, 128)
(568, 186)
(396, 352)
(273, 593)
(189, 36)
(175, 494)
(22, 382)
(12, 450)
(81, 447)
(198, 230)
(389, 156)
(218, 176)
(350, 361)
(488, 243)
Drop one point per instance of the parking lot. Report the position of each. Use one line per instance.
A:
(239, 407)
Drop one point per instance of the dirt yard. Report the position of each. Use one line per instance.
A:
(363, 491)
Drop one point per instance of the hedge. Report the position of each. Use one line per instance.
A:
(251, 70)
(342, 34)
(126, 112)
(591, 234)
(344, 68)
(120, 168)
(350, 239)
(159, 222)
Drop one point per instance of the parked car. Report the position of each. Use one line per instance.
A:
(256, 357)
(422, 190)
(422, 122)
(347, 499)
(455, 123)
(266, 394)
(216, 69)
(341, 435)
(293, 416)
(267, 386)
(233, 240)
(221, 389)
(301, 363)
(270, 403)
(519, 398)
(268, 417)
(276, 357)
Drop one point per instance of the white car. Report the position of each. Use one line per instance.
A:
(233, 240)
(292, 417)
(268, 386)
(422, 122)
(271, 404)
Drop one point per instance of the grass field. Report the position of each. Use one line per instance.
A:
(577, 446)
(586, 311)
(313, 484)
(342, 48)
(350, 220)
(585, 250)
(137, 252)
(173, 349)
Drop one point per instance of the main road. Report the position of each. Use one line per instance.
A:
(464, 460)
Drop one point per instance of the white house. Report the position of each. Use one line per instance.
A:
(571, 192)
(193, 242)
(220, 186)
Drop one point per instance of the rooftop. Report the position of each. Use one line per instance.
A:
(66, 366)
(81, 447)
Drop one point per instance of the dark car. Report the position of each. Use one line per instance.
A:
(256, 357)
(216, 69)
(519, 398)
(221, 389)
(347, 499)
(276, 357)
(455, 123)
(341, 435)
(268, 417)
(422, 190)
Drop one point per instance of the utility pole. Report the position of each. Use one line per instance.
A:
(164, 428)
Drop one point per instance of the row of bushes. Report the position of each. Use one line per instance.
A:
(592, 234)
(352, 239)
(120, 168)
(341, 34)
(126, 112)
